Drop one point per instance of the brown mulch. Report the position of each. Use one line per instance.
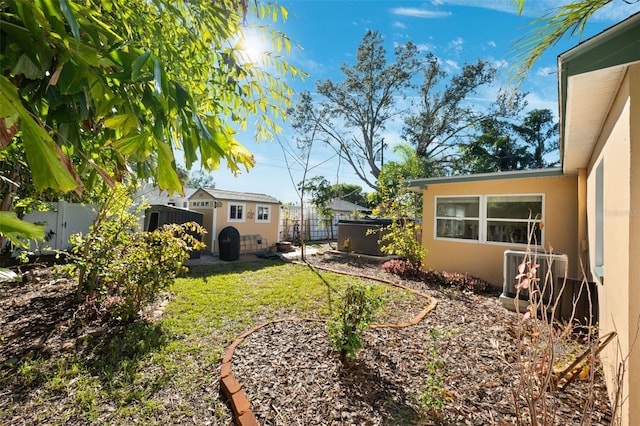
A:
(35, 315)
(462, 353)
(292, 377)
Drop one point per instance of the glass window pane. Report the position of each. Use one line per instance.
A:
(513, 232)
(458, 207)
(263, 213)
(515, 207)
(466, 229)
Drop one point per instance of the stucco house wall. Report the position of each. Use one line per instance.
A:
(599, 88)
(485, 259)
(250, 214)
(613, 173)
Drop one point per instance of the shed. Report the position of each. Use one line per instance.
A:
(255, 216)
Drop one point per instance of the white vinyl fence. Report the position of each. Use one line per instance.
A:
(314, 228)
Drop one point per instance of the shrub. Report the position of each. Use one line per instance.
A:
(353, 316)
(401, 239)
(409, 270)
(121, 269)
(402, 236)
(465, 282)
(403, 268)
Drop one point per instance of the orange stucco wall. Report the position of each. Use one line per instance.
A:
(618, 150)
(485, 260)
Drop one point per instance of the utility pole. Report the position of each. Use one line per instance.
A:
(380, 152)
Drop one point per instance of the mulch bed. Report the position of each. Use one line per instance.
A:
(463, 352)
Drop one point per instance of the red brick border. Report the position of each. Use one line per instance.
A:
(232, 389)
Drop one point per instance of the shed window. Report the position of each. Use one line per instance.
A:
(264, 214)
(236, 212)
(509, 219)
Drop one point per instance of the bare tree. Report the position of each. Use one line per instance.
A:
(353, 113)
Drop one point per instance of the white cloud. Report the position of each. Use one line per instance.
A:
(457, 45)
(547, 72)
(534, 101)
(451, 65)
(613, 12)
(491, 43)
(415, 12)
(500, 5)
(397, 24)
(425, 47)
(501, 64)
(616, 11)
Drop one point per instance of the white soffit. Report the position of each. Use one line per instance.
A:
(589, 99)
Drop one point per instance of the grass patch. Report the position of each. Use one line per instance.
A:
(167, 373)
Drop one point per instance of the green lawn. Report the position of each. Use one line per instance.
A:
(166, 373)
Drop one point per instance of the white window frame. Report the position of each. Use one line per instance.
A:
(483, 219)
(263, 206)
(450, 218)
(244, 212)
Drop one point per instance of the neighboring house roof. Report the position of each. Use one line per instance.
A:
(419, 184)
(221, 194)
(342, 205)
(589, 77)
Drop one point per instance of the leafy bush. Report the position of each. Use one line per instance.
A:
(403, 268)
(353, 316)
(409, 270)
(402, 236)
(465, 282)
(121, 269)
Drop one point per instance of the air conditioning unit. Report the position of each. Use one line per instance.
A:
(553, 266)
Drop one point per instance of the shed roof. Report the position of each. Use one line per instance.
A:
(221, 194)
(589, 77)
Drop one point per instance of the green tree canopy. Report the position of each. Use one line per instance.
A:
(540, 134)
(502, 145)
(494, 150)
(393, 176)
(200, 179)
(100, 88)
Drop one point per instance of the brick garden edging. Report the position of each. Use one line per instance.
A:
(232, 389)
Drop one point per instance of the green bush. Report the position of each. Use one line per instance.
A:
(402, 236)
(119, 268)
(353, 316)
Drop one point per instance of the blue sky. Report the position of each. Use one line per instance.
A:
(456, 31)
